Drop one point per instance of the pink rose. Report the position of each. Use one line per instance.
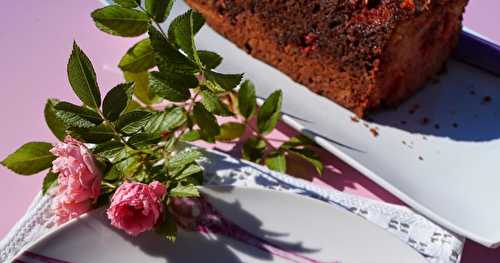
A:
(79, 181)
(79, 178)
(136, 207)
(66, 210)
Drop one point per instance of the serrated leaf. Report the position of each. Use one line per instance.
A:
(297, 141)
(276, 161)
(139, 58)
(172, 86)
(230, 131)
(165, 121)
(181, 33)
(121, 21)
(109, 150)
(53, 122)
(309, 156)
(209, 128)
(82, 78)
(98, 134)
(213, 104)
(132, 122)
(48, 181)
(127, 3)
(30, 158)
(253, 149)
(167, 57)
(143, 139)
(209, 59)
(168, 228)
(190, 136)
(269, 113)
(75, 116)
(181, 159)
(117, 100)
(247, 99)
(224, 81)
(180, 190)
(141, 84)
(159, 9)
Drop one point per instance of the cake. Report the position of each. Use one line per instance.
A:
(362, 54)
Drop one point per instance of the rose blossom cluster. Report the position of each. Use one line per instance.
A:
(135, 207)
(79, 180)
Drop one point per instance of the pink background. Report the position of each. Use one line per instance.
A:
(36, 38)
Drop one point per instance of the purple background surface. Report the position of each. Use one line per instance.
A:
(36, 38)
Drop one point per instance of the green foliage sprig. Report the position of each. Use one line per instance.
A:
(172, 93)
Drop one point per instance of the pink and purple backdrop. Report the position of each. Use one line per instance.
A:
(35, 43)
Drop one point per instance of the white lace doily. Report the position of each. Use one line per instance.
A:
(435, 243)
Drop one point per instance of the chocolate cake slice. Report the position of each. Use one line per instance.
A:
(360, 53)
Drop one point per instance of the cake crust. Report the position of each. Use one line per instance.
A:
(359, 53)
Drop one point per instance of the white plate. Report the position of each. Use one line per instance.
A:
(456, 184)
(299, 224)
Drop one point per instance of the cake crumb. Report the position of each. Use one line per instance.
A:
(374, 132)
(472, 93)
(455, 125)
(404, 142)
(487, 99)
(354, 119)
(403, 122)
(425, 121)
(421, 158)
(436, 126)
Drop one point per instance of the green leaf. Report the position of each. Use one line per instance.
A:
(121, 21)
(31, 158)
(167, 57)
(128, 3)
(297, 141)
(168, 228)
(214, 105)
(181, 33)
(55, 124)
(209, 127)
(209, 59)
(159, 9)
(117, 100)
(247, 100)
(269, 113)
(76, 116)
(165, 121)
(191, 169)
(276, 161)
(198, 22)
(133, 105)
(82, 78)
(253, 149)
(230, 131)
(141, 84)
(183, 158)
(132, 122)
(139, 58)
(191, 136)
(172, 86)
(309, 156)
(143, 139)
(109, 150)
(180, 190)
(48, 181)
(98, 134)
(224, 81)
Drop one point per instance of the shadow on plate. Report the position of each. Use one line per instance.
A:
(463, 105)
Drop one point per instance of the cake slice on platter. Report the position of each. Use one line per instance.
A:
(362, 54)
